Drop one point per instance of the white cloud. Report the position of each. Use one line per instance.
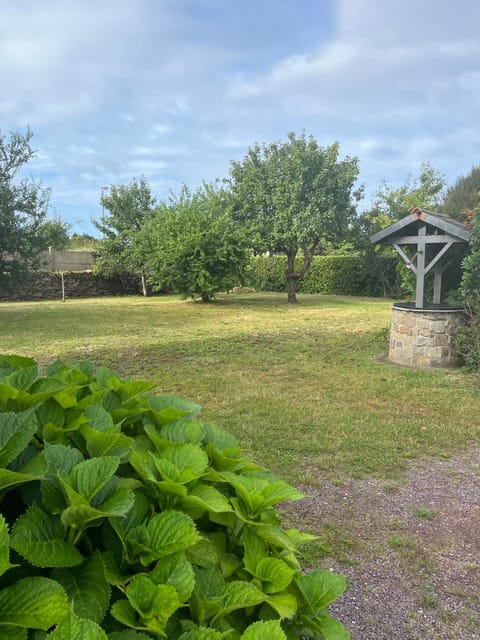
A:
(175, 90)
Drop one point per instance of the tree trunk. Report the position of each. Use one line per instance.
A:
(144, 285)
(292, 288)
(292, 278)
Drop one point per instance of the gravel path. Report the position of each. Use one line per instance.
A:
(411, 550)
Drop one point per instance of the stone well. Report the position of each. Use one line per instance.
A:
(424, 338)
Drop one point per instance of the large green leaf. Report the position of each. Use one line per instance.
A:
(100, 444)
(87, 588)
(275, 574)
(285, 604)
(168, 408)
(40, 538)
(88, 477)
(36, 603)
(330, 628)
(203, 497)
(184, 430)
(255, 549)
(229, 459)
(10, 478)
(135, 517)
(219, 437)
(59, 458)
(166, 533)
(75, 628)
(99, 419)
(23, 378)
(15, 633)
(144, 464)
(228, 561)
(203, 553)
(50, 411)
(276, 536)
(5, 563)
(123, 611)
(80, 514)
(277, 492)
(127, 390)
(176, 571)
(11, 363)
(182, 463)
(270, 629)
(320, 588)
(239, 595)
(16, 431)
(154, 603)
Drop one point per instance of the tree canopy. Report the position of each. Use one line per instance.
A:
(294, 196)
(54, 233)
(461, 198)
(128, 209)
(191, 244)
(23, 208)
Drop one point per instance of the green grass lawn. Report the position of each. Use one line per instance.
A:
(299, 385)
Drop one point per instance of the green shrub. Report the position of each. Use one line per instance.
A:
(125, 516)
(467, 340)
(361, 275)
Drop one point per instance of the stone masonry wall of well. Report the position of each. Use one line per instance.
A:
(424, 338)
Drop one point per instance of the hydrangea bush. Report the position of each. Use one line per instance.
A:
(125, 516)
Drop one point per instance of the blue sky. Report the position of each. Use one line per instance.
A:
(173, 90)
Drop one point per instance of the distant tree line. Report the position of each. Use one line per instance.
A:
(294, 198)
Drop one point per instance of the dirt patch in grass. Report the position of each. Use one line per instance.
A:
(410, 548)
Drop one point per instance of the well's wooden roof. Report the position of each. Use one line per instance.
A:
(408, 226)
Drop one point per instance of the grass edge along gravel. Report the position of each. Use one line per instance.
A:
(298, 385)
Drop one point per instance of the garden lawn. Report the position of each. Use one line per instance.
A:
(298, 385)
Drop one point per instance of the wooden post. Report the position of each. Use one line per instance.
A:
(437, 285)
(421, 247)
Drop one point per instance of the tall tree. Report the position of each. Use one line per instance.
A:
(192, 246)
(294, 197)
(23, 208)
(461, 198)
(54, 233)
(393, 203)
(128, 208)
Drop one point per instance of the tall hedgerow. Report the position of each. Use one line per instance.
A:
(468, 336)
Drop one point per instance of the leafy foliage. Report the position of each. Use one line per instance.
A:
(54, 233)
(341, 275)
(128, 208)
(295, 196)
(467, 340)
(23, 208)
(392, 204)
(461, 198)
(124, 516)
(192, 245)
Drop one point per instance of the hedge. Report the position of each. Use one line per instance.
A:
(361, 275)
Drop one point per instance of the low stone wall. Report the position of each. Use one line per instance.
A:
(424, 338)
(48, 286)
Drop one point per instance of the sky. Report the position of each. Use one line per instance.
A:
(174, 90)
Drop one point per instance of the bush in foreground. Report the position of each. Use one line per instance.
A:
(124, 516)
